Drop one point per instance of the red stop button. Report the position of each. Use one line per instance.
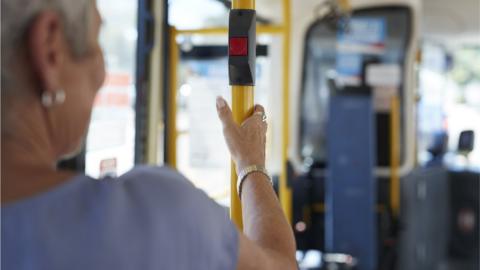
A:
(238, 46)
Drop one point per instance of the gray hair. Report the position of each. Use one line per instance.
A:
(17, 15)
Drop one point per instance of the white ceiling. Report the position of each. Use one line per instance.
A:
(271, 9)
(451, 21)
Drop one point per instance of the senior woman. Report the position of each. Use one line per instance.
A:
(149, 218)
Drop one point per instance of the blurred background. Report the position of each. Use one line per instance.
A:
(167, 61)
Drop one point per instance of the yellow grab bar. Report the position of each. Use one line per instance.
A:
(172, 100)
(285, 192)
(242, 107)
(261, 29)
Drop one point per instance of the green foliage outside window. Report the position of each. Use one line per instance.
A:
(466, 68)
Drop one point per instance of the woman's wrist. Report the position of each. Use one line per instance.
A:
(241, 165)
(244, 174)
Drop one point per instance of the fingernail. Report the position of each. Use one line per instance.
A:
(220, 103)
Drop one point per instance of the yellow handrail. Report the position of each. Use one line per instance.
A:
(344, 4)
(284, 190)
(172, 100)
(243, 4)
(261, 29)
(242, 107)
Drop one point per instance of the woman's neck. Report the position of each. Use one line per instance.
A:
(28, 159)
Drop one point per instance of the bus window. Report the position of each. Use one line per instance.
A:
(187, 14)
(344, 57)
(450, 101)
(201, 154)
(320, 53)
(463, 103)
(110, 141)
(200, 14)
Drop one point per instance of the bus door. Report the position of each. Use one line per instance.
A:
(376, 51)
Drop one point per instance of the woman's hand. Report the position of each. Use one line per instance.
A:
(268, 241)
(247, 141)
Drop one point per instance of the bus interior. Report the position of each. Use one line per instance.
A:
(373, 112)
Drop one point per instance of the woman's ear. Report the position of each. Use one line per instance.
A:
(46, 49)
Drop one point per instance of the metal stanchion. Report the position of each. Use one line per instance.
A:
(241, 67)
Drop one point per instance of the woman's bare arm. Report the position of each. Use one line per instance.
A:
(267, 241)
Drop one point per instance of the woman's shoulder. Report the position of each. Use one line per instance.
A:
(163, 182)
(153, 184)
(154, 195)
(153, 175)
(141, 184)
(154, 207)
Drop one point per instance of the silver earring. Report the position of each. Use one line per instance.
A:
(56, 98)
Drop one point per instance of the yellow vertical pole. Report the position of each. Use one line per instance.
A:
(242, 107)
(344, 4)
(284, 191)
(172, 100)
(243, 4)
(395, 156)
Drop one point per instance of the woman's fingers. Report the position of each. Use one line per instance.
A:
(258, 118)
(230, 128)
(259, 108)
(246, 143)
(224, 113)
(259, 112)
